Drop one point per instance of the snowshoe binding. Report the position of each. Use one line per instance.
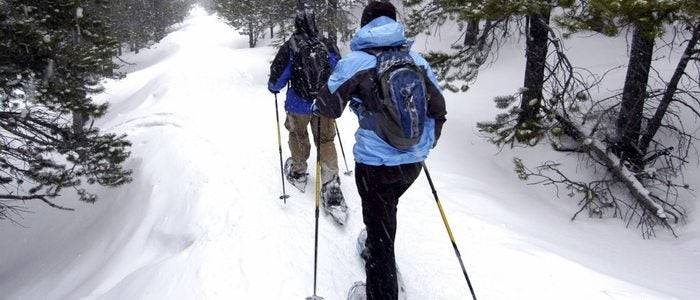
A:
(298, 180)
(334, 202)
(364, 254)
(358, 291)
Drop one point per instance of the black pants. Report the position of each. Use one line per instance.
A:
(380, 189)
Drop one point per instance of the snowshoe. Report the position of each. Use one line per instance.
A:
(364, 254)
(334, 202)
(298, 180)
(358, 291)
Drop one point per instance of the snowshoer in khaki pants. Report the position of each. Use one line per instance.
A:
(303, 65)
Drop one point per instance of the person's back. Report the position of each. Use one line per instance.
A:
(388, 160)
(354, 80)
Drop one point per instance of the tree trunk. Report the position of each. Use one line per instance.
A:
(333, 26)
(79, 120)
(655, 122)
(251, 35)
(629, 120)
(272, 31)
(536, 55)
(472, 34)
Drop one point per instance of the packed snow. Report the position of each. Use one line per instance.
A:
(202, 219)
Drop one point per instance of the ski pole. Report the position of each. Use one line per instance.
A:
(342, 150)
(449, 230)
(318, 203)
(279, 144)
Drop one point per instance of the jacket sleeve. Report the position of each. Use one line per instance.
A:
(281, 69)
(331, 104)
(436, 108)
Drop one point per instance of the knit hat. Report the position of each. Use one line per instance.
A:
(377, 9)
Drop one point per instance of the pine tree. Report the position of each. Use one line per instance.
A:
(53, 55)
(250, 16)
(255, 17)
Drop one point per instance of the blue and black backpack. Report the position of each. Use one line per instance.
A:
(402, 95)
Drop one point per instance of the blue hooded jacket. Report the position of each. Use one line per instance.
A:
(351, 82)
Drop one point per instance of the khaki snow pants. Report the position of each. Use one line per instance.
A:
(300, 147)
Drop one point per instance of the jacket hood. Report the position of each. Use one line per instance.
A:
(381, 32)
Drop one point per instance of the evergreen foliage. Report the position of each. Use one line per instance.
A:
(253, 17)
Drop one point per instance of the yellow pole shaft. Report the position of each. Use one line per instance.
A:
(444, 220)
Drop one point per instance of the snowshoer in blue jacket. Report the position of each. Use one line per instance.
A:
(303, 64)
(401, 111)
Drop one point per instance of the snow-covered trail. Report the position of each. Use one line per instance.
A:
(202, 218)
